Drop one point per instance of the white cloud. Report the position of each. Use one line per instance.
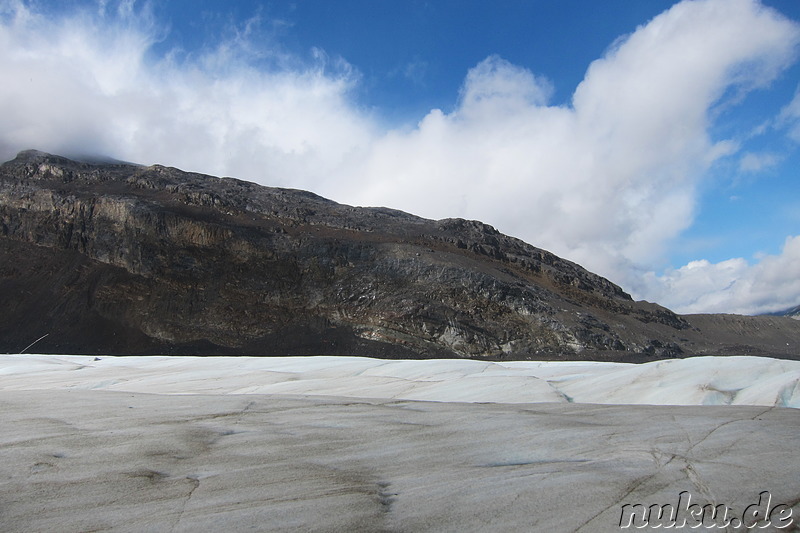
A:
(86, 83)
(733, 286)
(610, 180)
(607, 181)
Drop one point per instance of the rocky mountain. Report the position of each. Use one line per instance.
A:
(107, 257)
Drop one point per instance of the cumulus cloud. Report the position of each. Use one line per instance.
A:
(608, 180)
(733, 286)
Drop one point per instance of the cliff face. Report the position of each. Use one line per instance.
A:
(119, 258)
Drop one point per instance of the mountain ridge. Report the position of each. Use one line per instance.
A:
(112, 257)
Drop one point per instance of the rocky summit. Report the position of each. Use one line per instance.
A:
(116, 258)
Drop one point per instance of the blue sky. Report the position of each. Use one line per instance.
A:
(412, 55)
(655, 143)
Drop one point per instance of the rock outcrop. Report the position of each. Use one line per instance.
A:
(122, 259)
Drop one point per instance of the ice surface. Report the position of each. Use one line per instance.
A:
(342, 444)
(77, 460)
(692, 381)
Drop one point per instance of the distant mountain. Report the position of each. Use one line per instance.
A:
(110, 257)
(792, 312)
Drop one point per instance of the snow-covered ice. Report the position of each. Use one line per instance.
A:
(692, 381)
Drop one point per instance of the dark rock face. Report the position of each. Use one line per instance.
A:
(119, 258)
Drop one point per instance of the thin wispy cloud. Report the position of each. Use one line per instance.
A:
(757, 162)
(790, 117)
(609, 180)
